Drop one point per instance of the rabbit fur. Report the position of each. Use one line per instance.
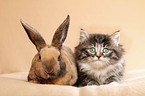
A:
(53, 64)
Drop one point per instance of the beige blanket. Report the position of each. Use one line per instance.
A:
(15, 84)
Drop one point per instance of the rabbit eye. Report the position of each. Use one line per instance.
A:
(39, 57)
(59, 58)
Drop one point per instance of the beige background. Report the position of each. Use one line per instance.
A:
(95, 16)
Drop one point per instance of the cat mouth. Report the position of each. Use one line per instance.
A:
(96, 59)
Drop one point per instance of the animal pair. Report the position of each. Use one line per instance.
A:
(98, 58)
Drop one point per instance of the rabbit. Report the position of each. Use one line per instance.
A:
(55, 63)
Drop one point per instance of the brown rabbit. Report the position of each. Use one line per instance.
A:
(53, 64)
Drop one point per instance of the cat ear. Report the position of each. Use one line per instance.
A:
(116, 37)
(83, 35)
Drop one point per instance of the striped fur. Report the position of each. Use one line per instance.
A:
(99, 59)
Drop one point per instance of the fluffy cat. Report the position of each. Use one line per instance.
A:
(99, 59)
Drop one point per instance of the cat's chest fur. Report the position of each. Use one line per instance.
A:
(100, 75)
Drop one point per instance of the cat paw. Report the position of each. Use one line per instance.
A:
(91, 85)
(114, 83)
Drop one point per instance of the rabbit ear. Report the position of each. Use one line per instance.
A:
(61, 33)
(34, 36)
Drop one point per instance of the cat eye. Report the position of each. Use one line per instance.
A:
(92, 50)
(105, 50)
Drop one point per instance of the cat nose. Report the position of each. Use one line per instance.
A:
(99, 57)
(98, 54)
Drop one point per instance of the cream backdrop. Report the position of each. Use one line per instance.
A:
(95, 16)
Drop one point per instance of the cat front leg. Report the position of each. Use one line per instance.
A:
(112, 80)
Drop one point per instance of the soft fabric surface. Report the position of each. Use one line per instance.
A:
(15, 84)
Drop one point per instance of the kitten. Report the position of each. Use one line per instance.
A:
(99, 59)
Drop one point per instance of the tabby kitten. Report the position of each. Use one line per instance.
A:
(99, 59)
